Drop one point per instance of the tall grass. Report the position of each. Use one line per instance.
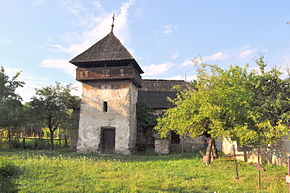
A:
(63, 171)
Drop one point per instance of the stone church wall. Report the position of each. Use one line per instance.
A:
(275, 154)
(121, 98)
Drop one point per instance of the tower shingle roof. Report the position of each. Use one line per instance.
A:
(108, 49)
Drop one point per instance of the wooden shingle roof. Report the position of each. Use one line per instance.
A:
(107, 50)
(162, 85)
(155, 93)
(156, 99)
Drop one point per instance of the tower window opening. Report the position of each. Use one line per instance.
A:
(105, 106)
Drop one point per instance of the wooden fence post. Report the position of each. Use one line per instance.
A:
(1, 140)
(65, 141)
(23, 142)
(236, 163)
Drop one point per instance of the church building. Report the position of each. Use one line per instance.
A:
(111, 87)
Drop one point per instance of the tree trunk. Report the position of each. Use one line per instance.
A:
(214, 150)
(51, 140)
(208, 152)
(23, 143)
(1, 136)
(65, 141)
(38, 140)
(211, 152)
(9, 138)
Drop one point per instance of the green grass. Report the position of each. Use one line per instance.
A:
(61, 171)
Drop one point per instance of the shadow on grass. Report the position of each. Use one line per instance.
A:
(8, 175)
(66, 153)
(181, 190)
(7, 185)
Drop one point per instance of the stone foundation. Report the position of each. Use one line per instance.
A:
(275, 154)
(161, 146)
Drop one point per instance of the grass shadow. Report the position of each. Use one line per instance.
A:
(66, 153)
(8, 175)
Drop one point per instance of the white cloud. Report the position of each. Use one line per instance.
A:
(246, 53)
(216, 57)
(74, 7)
(245, 47)
(78, 89)
(185, 77)
(94, 27)
(31, 82)
(157, 69)
(174, 55)
(61, 64)
(168, 29)
(284, 67)
(187, 62)
(255, 69)
(97, 4)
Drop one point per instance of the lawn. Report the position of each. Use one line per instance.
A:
(63, 171)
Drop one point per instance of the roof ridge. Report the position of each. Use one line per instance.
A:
(163, 80)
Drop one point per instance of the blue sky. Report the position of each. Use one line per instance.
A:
(39, 37)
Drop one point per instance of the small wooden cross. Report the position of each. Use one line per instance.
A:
(113, 22)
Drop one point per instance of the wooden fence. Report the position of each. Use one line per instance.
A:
(38, 143)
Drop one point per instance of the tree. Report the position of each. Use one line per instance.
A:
(69, 125)
(145, 124)
(10, 102)
(32, 124)
(224, 104)
(270, 108)
(53, 105)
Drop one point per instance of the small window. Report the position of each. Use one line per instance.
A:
(105, 106)
(175, 138)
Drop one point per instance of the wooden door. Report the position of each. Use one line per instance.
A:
(108, 140)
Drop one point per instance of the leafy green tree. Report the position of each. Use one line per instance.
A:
(69, 125)
(146, 121)
(32, 126)
(227, 104)
(53, 105)
(10, 103)
(269, 107)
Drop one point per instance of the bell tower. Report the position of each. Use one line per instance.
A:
(110, 78)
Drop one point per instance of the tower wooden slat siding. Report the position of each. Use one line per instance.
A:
(108, 72)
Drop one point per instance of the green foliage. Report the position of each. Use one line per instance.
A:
(47, 171)
(10, 101)
(146, 121)
(53, 106)
(249, 107)
(144, 117)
